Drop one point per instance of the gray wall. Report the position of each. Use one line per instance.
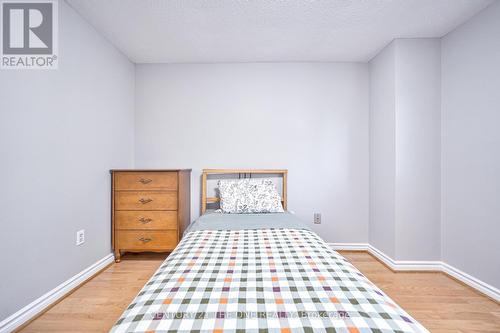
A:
(405, 149)
(382, 150)
(418, 168)
(471, 146)
(60, 133)
(309, 118)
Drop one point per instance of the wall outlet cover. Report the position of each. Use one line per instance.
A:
(317, 218)
(80, 237)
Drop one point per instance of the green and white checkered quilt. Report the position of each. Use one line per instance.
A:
(262, 280)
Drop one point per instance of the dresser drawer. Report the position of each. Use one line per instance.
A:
(146, 220)
(146, 240)
(145, 181)
(134, 200)
(150, 209)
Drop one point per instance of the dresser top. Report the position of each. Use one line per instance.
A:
(147, 170)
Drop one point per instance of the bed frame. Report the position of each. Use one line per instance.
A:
(241, 173)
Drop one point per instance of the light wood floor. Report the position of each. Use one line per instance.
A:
(95, 306)
(440, 303)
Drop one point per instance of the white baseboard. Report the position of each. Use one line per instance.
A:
(471, 281)
(405, 265)
(31, 310)
(436, 266)
(349, 246)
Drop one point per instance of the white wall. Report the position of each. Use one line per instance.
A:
(417, 157)
(405, 149)
(60, 133)
(471, 146)
(309, 118)
(382, 150)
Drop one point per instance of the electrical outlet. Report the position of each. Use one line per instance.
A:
(80, 237)
(317, 218)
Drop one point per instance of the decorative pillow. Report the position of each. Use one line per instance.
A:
(265, 196)
(247, 196)
(230, 192)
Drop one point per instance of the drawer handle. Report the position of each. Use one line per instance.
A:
(145, 201)
(144, 220)
(145, 240)
(145, 181)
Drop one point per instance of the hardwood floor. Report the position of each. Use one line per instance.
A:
(440, 303)
(95, 306)
(437, 301)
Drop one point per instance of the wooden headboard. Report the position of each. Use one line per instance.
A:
(241, 173)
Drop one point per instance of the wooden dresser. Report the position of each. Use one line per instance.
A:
(150, 209)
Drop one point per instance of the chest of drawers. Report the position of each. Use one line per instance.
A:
(150, 209)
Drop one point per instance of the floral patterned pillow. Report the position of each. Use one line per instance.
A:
(246, 196)
(230, 192)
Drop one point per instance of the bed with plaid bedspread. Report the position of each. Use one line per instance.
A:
(260, 280)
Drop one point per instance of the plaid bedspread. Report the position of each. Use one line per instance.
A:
(265, 280)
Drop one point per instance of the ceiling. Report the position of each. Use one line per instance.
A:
(206, 31)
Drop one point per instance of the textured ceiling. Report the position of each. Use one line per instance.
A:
(180, 31)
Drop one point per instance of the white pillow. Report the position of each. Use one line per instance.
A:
(246, 196)
(230, 192)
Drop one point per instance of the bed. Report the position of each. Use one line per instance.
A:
(259, 273)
